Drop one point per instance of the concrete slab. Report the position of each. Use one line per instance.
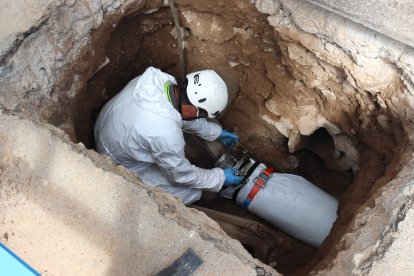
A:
(18, 17)
(398, 258)
(392, 18)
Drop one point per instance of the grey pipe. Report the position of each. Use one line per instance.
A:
(179, 39)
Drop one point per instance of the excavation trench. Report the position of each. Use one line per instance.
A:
(250, 58)
(293, 107)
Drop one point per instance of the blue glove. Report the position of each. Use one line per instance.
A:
(231, 178)
(228, 138)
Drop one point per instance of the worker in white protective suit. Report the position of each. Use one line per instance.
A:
(142, 128)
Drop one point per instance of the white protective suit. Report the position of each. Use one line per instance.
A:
(141, 130)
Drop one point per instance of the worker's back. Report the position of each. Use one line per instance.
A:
(130, 122)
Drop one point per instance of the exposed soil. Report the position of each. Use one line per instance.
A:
(254, 61)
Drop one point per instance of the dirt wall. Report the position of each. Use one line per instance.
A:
(362, 86)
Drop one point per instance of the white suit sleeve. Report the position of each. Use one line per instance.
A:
(168, 152)
(202, 128)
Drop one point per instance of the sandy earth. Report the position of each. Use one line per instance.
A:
(317, 95)
(65, 211)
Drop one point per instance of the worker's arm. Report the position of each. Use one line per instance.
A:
(168, 152)
(210, 131)
(202, 128)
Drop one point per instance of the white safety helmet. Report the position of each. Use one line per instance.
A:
(207, 90)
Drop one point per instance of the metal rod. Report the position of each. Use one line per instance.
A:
(179, 39)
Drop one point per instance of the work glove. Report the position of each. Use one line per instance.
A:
(231, 178)
(228, 138)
